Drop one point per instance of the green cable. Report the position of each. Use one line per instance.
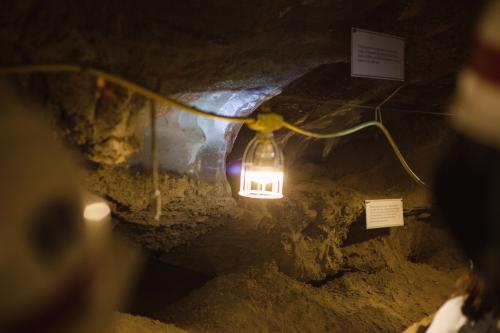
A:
(355, 129)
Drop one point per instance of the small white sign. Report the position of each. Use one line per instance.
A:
(384, 213)
(377, 55)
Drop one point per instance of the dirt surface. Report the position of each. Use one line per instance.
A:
(125, 323)
(386, 284)
(190, 207)
(382, 292)
(306, 263)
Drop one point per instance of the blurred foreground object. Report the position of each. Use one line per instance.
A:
(467, 187)
(477, 102)
(60, 271)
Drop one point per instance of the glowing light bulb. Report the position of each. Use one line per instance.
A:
(97, 211)
(97, 216)
(262, 169)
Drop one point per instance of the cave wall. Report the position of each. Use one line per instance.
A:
(193, 47)
(229, 57)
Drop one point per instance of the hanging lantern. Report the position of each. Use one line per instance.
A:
(262, 169)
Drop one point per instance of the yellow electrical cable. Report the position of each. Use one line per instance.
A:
(64, 68)
(68, 68)
(355, 129)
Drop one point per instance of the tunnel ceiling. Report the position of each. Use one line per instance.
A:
(193, 49)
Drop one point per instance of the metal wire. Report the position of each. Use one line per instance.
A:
(378, 110)
(361, 106)
(154, 164)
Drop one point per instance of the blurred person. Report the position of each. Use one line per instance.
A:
(59, 271)
(473, 310)
(467, 186)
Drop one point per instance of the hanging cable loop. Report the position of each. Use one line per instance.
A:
(358, 128)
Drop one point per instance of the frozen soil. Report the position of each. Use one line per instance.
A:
(190, 208)
(125, 323)
(305, 263)
(380, 290)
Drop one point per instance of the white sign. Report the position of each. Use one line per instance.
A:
(377, 55)
(384, 213)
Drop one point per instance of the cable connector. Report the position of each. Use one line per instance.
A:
(267, 122)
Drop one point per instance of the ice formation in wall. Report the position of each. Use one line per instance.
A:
(189, 144)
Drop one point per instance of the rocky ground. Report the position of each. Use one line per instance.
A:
(384, 284)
